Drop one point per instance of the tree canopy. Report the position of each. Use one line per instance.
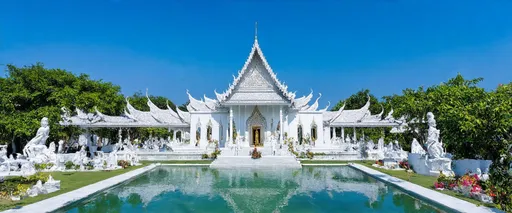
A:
(30, 93)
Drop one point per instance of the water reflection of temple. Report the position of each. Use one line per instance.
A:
(241, 189)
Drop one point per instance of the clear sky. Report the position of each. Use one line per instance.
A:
(333, 47)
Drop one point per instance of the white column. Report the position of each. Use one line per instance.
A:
(343, 134)
(119, 134)
(230, 125)
(281, 125)
(355, 135)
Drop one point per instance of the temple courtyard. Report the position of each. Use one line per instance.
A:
(255, 147)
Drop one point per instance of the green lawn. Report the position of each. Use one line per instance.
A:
(69, 182)
(425, 181)
(180, 162)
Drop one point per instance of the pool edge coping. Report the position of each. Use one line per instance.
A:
(324, 164)
(60, 201)
(433, 196)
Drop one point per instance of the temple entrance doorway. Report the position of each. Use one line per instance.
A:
(256, 136)
(256, 126)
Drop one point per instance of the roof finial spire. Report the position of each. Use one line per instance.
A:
(256, 31)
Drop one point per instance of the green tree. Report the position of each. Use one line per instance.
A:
(183, 107)
(491, 126)
(32, 92)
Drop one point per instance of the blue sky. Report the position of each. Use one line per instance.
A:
(333, 47)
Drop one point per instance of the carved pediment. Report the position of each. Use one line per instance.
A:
(256, 118)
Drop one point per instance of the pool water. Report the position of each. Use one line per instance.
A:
(201, 189)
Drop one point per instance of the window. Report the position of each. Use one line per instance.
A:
(313, 132)
(299, 134)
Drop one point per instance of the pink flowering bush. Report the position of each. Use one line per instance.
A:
(469, 185)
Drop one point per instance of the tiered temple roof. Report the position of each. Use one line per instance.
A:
(360, 118)
(131, 117)
(256, 84)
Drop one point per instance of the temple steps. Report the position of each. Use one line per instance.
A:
(227, 162)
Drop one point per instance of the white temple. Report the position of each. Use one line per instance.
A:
(257, 106)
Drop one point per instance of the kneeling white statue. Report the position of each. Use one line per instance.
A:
(435, 160)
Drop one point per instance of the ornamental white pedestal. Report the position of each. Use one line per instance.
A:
(391, 163)
(430, 167)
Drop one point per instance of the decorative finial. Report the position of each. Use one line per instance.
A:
(256, 31)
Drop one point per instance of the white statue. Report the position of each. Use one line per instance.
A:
(380, 144)
(435, 160)
(51, 185)
(80, 157)
(389, 147)
(3, 152)
(485, 175)
(27, 169)
(481, 176)
(370, 145)
(434, 148)
(36, 189)
(61, 147)
(416, 147)
(39, 141)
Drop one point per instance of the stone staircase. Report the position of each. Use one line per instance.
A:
(229, 162)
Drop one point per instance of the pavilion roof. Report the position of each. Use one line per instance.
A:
(360, 118)
(131, 117)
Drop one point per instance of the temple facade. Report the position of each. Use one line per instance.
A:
(256, 108)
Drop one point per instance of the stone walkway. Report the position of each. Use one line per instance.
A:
(426, 194)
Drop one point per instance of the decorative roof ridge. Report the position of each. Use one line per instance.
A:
(302, 102)
(197, 105)
(314, 106)
(390, 115)
(173, 113)
(185, 116)
(210, 103)
(236, 80)
(220, 97)
(339, 112)
(98, 112)
(327, 107)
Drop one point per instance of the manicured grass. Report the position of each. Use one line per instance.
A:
(69, 181)
(180, 162)
(422, 180)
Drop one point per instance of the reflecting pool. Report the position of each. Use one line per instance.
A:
(201, 189)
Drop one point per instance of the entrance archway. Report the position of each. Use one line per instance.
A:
(256, 125)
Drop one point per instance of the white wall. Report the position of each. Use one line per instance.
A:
(271, 114)
(461, 167)
(217, 120)
(307, 119)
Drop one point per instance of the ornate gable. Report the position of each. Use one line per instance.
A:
(256, 84)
